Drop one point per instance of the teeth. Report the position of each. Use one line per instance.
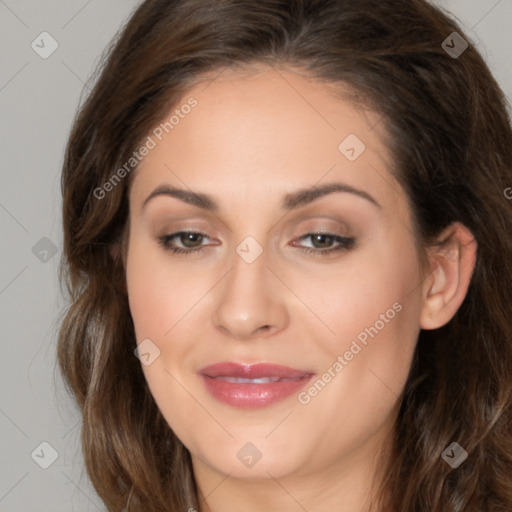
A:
(262, 380)
(241, 380)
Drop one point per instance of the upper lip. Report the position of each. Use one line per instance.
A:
(252, 370)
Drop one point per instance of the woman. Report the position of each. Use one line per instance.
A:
(223, 357)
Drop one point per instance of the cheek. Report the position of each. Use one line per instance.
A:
(359, 386)
(159, 293)
(148, 300)
(375, 312)
(159, 304)
(375, 285)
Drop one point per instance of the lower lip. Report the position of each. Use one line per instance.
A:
(252, 396)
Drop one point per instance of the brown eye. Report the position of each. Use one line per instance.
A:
(322, 240)
(191, 241)
(190, 238)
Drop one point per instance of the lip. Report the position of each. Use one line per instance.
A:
(281, 381)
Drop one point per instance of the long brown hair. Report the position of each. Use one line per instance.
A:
(451, 141)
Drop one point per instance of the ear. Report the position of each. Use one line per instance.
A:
(451, 267)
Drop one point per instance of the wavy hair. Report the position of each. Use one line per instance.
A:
(450, 136)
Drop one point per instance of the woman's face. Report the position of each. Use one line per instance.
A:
(342, 319)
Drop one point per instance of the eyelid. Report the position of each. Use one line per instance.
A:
(326, 225)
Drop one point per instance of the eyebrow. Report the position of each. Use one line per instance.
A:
(290, 201)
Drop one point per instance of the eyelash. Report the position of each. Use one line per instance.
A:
(345, 243)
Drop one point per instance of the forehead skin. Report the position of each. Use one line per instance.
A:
(253, 154)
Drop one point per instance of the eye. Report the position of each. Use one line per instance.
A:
(186, 237)
(322, 239)
(192, 242)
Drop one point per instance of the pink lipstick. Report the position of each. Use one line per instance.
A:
(252, 386)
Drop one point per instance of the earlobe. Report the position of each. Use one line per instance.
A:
(452, 267)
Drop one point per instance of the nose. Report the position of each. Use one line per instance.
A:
(250, 301)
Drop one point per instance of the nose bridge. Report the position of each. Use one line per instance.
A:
(249, 266)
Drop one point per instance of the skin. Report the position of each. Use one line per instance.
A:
(262, 134)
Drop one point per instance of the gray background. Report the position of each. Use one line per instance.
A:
(38, 99)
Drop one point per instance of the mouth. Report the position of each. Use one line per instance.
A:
(252, 386)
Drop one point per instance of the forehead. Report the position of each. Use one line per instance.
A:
(265, 128)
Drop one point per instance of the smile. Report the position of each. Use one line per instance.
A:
(252, 386)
